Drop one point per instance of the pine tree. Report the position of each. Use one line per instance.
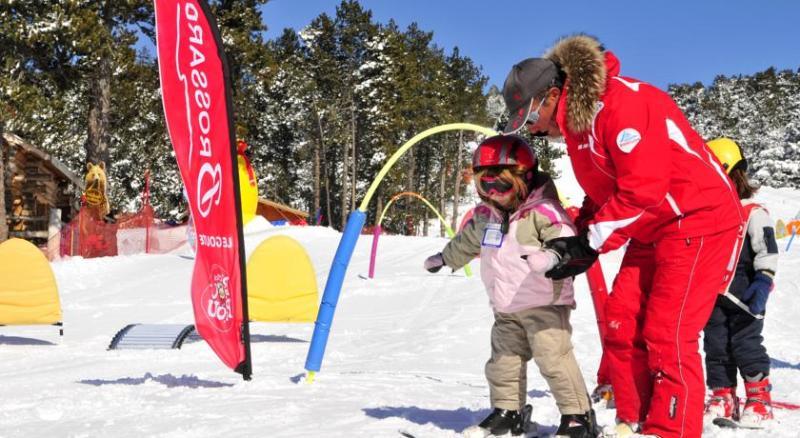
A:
(759, 112)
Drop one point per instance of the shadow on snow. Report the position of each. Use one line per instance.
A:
(274, 338)
(18, 340)
(777, 363)
(167, 380)
(456, 420)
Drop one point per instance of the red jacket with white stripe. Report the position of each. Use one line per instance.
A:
(646, 173)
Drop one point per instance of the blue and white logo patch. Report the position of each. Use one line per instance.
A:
(627, 139)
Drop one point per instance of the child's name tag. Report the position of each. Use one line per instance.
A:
(493, 236)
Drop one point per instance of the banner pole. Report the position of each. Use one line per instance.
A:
(246, 366)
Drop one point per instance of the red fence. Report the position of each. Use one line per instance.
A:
(136, 233)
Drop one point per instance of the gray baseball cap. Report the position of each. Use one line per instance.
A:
(526, 80)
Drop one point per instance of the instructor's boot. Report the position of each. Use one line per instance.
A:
(758, 407)
(722, 404)
(623, 429)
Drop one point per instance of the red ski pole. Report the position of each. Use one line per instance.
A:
(599, 292)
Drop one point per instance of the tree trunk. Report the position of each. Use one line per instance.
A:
(328, 199)
(412, 165)
(100, 108)
(442, 182)
(316, 183)
(457, 183)
(319, 156)
(353, 127)
(379, 205)
(425, 223)
(3, 224)
(345, 187)
(410, 186)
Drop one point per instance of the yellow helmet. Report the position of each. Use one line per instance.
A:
(728, 153)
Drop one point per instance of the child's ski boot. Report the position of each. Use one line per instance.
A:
(503, 423)
(758, 406)
(722, 404)
(578, 426)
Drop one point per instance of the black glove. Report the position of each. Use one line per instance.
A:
(434, 263)
(575, 253)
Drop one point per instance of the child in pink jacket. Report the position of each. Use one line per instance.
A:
(520, 211)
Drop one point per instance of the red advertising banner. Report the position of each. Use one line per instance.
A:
(195, 88)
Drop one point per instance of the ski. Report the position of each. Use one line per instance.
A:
(727, 423)
(777, 404)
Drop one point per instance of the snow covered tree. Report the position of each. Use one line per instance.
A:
(760, 112)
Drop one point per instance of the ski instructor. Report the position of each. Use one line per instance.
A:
(651, 182)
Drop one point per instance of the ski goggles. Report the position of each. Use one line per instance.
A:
(492, 185)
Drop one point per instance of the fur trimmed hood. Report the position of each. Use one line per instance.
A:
(583, 59)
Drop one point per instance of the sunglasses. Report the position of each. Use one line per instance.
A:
(491, 185)
(533, 116)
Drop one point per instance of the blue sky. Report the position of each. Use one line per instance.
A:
(657, 41)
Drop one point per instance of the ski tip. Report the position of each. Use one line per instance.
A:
(310, 377)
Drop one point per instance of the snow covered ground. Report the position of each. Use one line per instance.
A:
(406, 352)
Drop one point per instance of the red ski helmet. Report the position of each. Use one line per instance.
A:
(504, 150)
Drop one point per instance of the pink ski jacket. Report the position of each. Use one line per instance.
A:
(510, 282)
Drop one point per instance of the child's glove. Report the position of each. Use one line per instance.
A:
(576, 256)
(757, 293)
(541, 261)
(434, 263)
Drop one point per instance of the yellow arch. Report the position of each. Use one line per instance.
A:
(341, 259)
(397, 196)
(447, 228)
(414, 140)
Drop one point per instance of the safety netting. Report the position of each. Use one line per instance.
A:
(132, 233)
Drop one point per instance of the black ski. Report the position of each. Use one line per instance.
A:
(727, 423)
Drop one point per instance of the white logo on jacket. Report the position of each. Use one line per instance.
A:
(627, 139)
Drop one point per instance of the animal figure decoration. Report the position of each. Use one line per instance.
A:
(95, 193)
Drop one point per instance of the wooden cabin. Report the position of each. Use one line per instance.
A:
(40, 192)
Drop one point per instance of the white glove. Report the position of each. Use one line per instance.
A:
(541, 260)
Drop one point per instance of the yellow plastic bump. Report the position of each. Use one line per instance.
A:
(281, 284)
(248, 190)
(780, 229)
(310, 377)
(28, 291)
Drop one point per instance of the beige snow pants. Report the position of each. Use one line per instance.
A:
(543, 334)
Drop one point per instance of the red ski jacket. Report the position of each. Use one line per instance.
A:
(646, 173)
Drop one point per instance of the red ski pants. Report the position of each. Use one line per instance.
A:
(661, 299)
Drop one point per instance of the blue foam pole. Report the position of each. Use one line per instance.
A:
(322, 327)
(794, 233)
